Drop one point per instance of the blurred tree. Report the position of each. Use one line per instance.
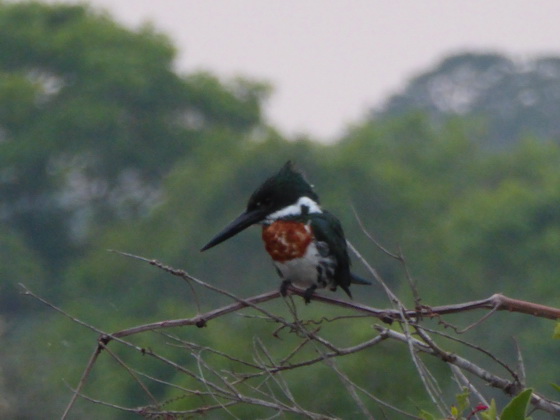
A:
(92, 115)
(507, 224)
(510, 99)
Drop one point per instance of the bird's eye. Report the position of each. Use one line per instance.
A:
(261, 203)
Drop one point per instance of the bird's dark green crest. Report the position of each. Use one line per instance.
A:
(282, 189)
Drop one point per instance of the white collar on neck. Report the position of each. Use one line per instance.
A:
(303, 205)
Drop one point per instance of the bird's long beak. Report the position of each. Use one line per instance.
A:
(243, 221)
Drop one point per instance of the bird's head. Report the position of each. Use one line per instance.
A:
(284, 194)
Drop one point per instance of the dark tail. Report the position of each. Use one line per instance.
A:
(354, 279)
(359, 280)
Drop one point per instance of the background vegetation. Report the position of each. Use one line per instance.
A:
(103, 145)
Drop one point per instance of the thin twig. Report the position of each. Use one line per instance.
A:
(130, 372)
(520, 364)
(477, 348)
(426, 377)
(350, 387)
(81, 383)
(372, 239)
(462, 379)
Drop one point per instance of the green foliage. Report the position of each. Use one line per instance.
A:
(514, 410)
(517, 407)
(462, 403)
(491, 413)
(556, 333)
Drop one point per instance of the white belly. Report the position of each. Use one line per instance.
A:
(310, 270)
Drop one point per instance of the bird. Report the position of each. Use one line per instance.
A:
(306, 243)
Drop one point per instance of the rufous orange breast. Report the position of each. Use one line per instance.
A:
(286, 240)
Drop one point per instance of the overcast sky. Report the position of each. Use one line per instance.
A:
(331, 60)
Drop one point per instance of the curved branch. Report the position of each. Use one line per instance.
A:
(495, 302)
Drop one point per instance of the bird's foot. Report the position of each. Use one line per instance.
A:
(308, 293)
(284, 287)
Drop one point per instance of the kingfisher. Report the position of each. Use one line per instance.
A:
(306, 243)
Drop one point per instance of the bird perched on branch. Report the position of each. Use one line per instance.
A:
(306, 243)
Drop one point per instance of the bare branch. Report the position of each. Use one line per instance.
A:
(397, 257)
(261, 382)
(509, 387)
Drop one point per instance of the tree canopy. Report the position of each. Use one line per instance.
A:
(92, 116)
(510, 99)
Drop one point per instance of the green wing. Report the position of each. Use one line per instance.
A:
(328, 229)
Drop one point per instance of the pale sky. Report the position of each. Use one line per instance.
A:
(331, 60)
